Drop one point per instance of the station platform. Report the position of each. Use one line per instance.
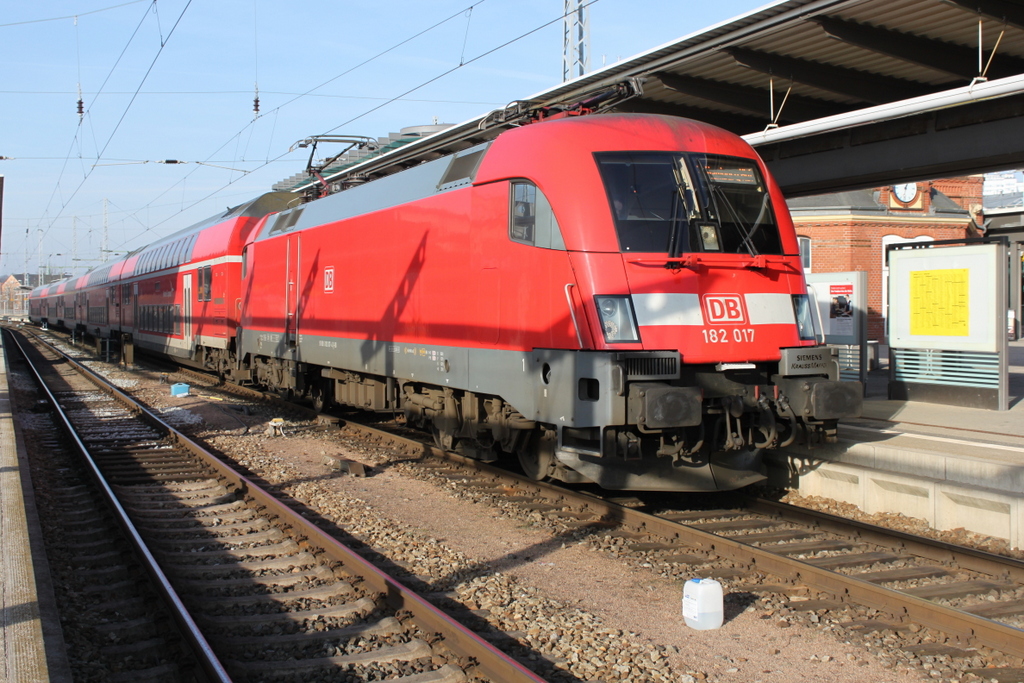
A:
(32, 647)
(954, 467)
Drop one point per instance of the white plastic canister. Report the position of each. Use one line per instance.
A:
(702, 604)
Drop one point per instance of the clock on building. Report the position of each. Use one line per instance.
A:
(906, 192)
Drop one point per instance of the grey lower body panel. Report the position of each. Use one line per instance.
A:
(725, 472)
(566, 389)
(542, 384)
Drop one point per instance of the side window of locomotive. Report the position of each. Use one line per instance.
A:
(524, 210)
(531, 219)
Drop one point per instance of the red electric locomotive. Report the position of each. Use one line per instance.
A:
(615, 298)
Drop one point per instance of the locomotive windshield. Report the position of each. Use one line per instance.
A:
(674, 203)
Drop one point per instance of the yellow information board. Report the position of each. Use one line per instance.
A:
(940, 302)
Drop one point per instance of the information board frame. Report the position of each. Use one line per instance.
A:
(940, 298)
(947, 322)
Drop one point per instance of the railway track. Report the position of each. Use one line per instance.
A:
(114, 628)
(973, 599)
(259, 592)
(970, 601)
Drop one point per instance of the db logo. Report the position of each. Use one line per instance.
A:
(724, 308)
(329, 279)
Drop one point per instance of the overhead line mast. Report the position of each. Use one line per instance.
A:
(575, 39)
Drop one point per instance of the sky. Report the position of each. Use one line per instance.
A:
(175, 80)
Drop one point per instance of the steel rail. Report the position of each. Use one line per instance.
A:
(189, 630)
(901, 606)
(941, 551)
(965, 626)
(490, 662)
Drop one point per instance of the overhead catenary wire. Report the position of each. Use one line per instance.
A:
(308, 92)
(270, 159)
(245, 92)
(75, 140)
(255, 62)
(78, 60)
(163, 43)
(389, 101)
(71, 16)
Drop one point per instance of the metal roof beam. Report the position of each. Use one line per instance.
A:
(836, 162)
(957, 60)
(860, 85)
(1010, 11)
(749, 99)
(966, 130)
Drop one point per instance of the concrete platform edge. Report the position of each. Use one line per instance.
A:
(33, 642)
(945, 491)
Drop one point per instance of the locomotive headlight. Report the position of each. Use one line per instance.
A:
(617, 320)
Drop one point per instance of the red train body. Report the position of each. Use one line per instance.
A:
(615, 298)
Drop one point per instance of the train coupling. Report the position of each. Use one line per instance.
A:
(817, 398)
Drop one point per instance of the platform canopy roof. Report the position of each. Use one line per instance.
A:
(834, 94)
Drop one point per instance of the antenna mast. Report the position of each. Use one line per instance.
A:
(575, 39)
(103, 249)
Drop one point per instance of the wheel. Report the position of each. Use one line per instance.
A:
(443, 440)
(537, 457)
(320, 398)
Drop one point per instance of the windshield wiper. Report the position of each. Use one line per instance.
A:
(675, 239)
(758, 222)
(747, 234)
(675, 226)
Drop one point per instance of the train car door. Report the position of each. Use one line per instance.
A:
(292, 290)
(186, 311)
(113, 318)
(119, 306)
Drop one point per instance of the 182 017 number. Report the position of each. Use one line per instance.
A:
(723, 336)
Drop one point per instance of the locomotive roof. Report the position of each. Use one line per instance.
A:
(427, 179)
(538, 152)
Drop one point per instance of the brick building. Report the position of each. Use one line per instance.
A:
(847, 231)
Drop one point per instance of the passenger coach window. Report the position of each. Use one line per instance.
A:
(205, 280)
(532, 221)
(672, 203)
